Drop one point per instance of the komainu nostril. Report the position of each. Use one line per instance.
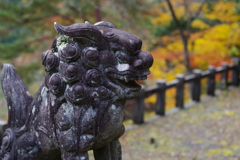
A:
(145, 60)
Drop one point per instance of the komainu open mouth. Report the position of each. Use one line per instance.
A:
(127, 79)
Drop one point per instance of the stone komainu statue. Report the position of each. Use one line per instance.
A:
(90, 73)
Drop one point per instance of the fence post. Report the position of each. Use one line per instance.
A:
(138, 110)
(211, 84)
(180, 91)
(161, 95)
(196, 85)
(224, 80)
(235, 72)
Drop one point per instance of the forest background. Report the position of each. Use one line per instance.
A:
(180, 34)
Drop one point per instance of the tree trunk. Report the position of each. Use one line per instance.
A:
(183, 37)
(186, 54)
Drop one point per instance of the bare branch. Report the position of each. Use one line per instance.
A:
(175, 19)
(199, 9)
(183, 37)
(192, 17)
(185, 3)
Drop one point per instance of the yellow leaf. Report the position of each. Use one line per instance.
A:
(199, 24)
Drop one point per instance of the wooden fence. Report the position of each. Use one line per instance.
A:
(194, 80)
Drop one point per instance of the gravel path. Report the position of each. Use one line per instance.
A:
(209, 130)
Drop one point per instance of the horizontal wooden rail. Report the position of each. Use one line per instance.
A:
(194, 81)
(172, 84)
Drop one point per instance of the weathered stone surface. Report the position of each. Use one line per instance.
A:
(91, 72)
(3, 126)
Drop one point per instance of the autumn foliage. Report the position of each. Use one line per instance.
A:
(210, 26)
(214, 38)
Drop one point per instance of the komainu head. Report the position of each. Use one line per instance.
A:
(97, 61)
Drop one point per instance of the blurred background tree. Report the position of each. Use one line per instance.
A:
(27, 24)
(181, 34)
(26, 28)
(209, 28)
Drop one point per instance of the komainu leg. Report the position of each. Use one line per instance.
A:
(111, 151)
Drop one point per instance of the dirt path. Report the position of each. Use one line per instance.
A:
(209, 130)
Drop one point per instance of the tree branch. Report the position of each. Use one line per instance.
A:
(184, 37)
(175, 19)
(199, 9)
(192, 17)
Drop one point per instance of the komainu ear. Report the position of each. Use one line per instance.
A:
(17, 96)
(80, 30)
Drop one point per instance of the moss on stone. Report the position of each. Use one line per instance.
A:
(63, 41)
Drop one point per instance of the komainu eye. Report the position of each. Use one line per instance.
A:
(123, 57)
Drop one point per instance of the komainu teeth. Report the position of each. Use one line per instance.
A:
(126, 78)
